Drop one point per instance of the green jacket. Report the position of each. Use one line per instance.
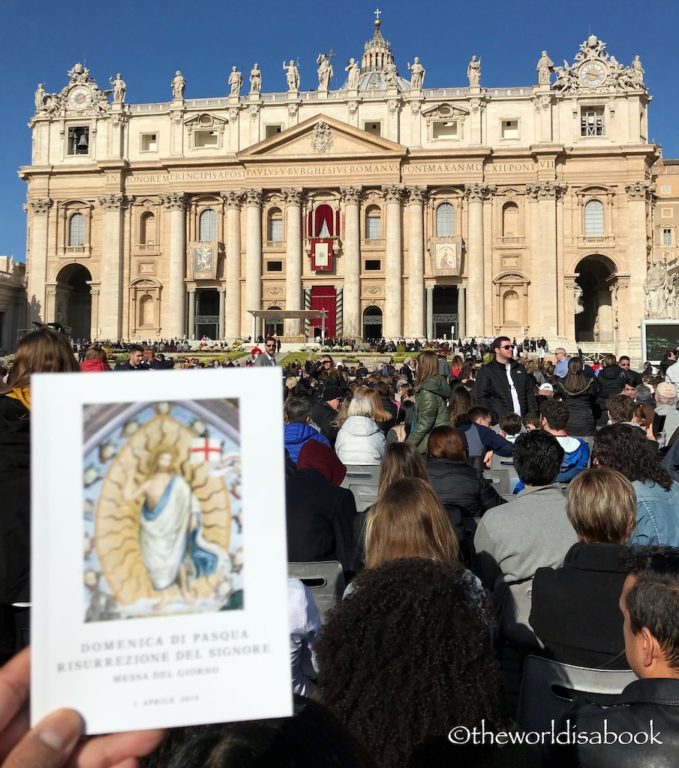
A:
(431, 410)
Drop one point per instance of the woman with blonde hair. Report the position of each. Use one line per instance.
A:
(360, 440)
(575, 607)
(384, 420)
(431, 400)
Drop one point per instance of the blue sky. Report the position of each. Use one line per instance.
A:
(147, 40)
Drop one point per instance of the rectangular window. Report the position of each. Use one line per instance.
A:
(206, 139)
(373, 265)
(666, 213)
(666, 189)
(276, 230)
(374, 128)
(667, 236)
(444, 129)
(272, 130)
(510, 129)
(149, 142)
(373, 228)
(592, 121)
(79, 140)
(274, 266)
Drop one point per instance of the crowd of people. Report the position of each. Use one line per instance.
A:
(453, 580)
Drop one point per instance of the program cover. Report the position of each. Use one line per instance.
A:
(159, 559)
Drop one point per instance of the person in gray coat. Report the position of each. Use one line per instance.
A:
(268, 359)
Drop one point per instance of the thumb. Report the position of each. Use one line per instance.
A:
(49, 744)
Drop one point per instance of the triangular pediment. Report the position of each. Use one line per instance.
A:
(320, 137)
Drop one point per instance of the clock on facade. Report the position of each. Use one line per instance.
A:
(592, 73)
(80, 97)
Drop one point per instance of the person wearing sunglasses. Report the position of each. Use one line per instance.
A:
(268, 359)
(502, 385)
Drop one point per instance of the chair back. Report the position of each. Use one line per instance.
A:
(362, 481)
(548, 687)
(500, 478)
(325, 581)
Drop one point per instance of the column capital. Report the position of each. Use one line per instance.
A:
(175, 201)
(253, 197)
(40, 205)
(293, 195)
(417, 195)
(112, 202)
(350, 194)
(639, 190)
(546, 190)
(393, 193)
(479, 192)
(232, 198)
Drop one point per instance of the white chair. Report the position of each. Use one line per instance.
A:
(362, 481)
(500, 478)
(325, 581)
(548, 688)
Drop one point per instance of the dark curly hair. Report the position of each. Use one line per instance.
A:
(627, 449)
(411, 634)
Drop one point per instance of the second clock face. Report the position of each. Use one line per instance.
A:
(592, 73)
(79, 97)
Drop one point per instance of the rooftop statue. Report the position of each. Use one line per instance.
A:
(235, 82)
(291, 75)
(178, 86)
(474, 72)
(255, 79)
(417, 73)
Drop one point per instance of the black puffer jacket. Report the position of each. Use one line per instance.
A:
(611, 380)
(581, 407)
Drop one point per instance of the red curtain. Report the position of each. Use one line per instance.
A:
(324, 215)
(323, 297)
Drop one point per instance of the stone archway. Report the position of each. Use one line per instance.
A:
(73, 300)
(372, 323)
(593, 302)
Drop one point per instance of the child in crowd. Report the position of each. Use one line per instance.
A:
(510, 426)
(480, 415)
(532, 420)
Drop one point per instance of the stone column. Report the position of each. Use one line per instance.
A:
(253, 252)
(37, 258)
(293, 257)
(547, 193)
(393, 288)
(352, 262)
(222, 304)
(95, 290)
(461, 312)
(175, 312)
(192, 313)
(111, 267)
(475, 195)
(639, 195)
(430, 312)
(416, 198)
(232, 319)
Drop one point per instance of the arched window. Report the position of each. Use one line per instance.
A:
(147, 225)
(146, 311)
(510, 308)
(445, 220)
(275, 226)
(373, 223)
(76, 230)
(207, 226)
(510, 220)
(594, 219)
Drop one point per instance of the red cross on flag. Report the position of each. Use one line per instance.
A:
(206, 449)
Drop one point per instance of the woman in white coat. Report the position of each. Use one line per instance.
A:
(360, 440)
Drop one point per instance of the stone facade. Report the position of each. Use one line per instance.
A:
(12, 302)
(402, 210)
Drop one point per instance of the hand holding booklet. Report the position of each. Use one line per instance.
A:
(159, 560)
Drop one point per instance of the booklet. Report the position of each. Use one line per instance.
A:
(159, 558)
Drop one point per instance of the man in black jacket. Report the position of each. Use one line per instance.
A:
(502, 385)
(324, 413)
(643, 722)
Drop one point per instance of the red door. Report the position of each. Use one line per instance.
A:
(324, 297)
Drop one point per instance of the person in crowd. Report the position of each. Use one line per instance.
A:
(649, 706)
(575, 450)
(620, 409)
(313, 737)
(431, 395)
(95, 360)
(408, 370)
(533, 369)
(464, 494)
(644, 394)
(580, 395)
(444, 366)
(268, 359)
(510, 426)
(532, 420)
(319, 514)
(135, 356)
(530, 532)
(625, 448)
(297, 430)
(400, 431)
(561, 366)
(324, 412)
(574, 608)
(502, 385)
(625, 364)
(456, 366)
(360, 440)
(328, 375)
(304, 624)
(400, 461)
(411, 633)
(672, 371)
(643, 417)
(669, 358)
(42, 351)
(473, 423)
(666, 400)
(385, 419)
(629, 390)
(611, 381)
